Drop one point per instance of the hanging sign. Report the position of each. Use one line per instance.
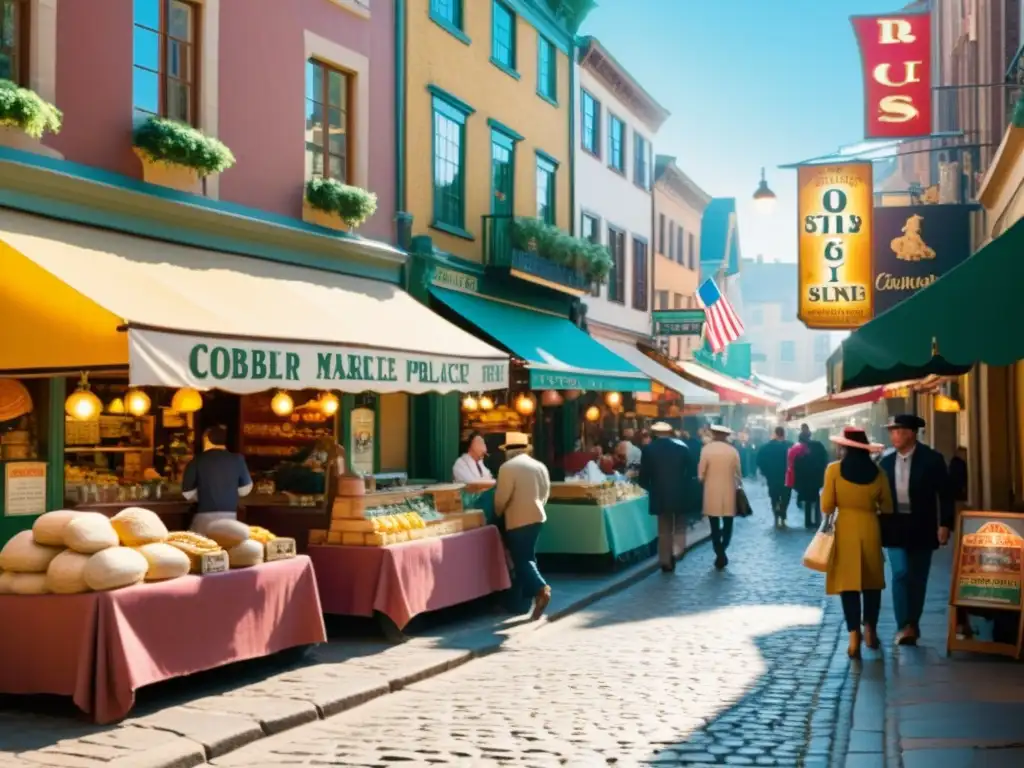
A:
(834, 209)
(678, 322)
(895, 52)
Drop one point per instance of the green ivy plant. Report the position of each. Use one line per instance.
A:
(558, 247)
(24, 109)
(167, 141)
(353, 205)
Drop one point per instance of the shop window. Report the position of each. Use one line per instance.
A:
(787, 352)
(14, 37)
(672, 240)
(547, 69)
(328, 94)
(546, 177)
(591, 122)
(641, 161)
(617, 275)
(640, 272)
(616, 148)
(503, 36)
(164, 57)
(677, 301)
(661, 233)
(449, 165)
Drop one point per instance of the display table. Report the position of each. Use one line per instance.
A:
(590, 529)
(403, 580)
(99, 648)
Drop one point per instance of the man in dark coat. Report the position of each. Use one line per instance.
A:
(772, 460)
(667, 474)
(924, 514)
(809, 478)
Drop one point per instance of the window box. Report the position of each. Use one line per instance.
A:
(170, 175)
(24, 118)
(177, 155)
(329, 203)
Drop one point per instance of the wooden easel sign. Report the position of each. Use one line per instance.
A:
(988, 576)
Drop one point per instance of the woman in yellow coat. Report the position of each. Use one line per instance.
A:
(856, 490)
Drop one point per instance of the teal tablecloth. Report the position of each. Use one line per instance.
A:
(587, 529)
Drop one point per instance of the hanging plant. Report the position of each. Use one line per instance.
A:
(582, 256)
(353, 205)
(24, 109)
(160, 140)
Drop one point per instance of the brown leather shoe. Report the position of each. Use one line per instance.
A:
(871, 637)
(906, 636)
(541, 603)
(854, 650)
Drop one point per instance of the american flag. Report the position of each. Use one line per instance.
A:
(722, 325)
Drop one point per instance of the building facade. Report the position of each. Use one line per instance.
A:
(679, 206)
(614, 180)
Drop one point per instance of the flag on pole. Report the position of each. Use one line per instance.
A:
(722, 325)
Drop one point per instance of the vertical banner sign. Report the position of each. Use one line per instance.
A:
(834, 208)
(895, 54)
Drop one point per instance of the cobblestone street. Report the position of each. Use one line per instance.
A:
(695, 668)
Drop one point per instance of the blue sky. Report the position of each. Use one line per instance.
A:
(749, 83)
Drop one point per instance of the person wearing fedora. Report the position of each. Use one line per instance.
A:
(855, 491)
(719, 471)
(667, 474)
(519, 498)
(925, 513)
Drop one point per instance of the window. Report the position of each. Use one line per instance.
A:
(640, 273)
(680, 256)
(787, 351)
(590, 229)
(672, 240)
(591, 123)
(617, 276)
(503, 36)
(546, 170)
(547, 69)
(327, 111)
(677, 301)
(163, 80)
(822, 348)
(448, 13)
(693, 251)
(662, 299)
(14, 33)
(449, 165)
(661, 233)
(616, 151)
(641, 164)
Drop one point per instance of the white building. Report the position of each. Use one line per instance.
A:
(614, 179)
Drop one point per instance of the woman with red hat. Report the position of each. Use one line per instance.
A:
(855, 492)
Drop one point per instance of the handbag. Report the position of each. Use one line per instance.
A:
(818, 555)
(743, 508)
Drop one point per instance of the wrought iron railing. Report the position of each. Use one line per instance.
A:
(502, 251)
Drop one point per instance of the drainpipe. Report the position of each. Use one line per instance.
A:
(572, 134)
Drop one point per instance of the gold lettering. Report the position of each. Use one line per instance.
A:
(894, 31)
(897, 109)
(888, 282)
(881, 74)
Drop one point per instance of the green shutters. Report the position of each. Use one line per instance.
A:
(590, 122)
(616, 140)
(503, 37)
(547, 70)
(546, 173)
(449, 164)
(641, 161)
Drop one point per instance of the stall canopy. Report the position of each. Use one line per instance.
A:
(730, 390)
(815, 398)
(964, 317)
(692, 394)
(77, 298)
(557, 353)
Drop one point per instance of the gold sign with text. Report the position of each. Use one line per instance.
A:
(834, 207)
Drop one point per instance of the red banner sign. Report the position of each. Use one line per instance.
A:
(895, 53)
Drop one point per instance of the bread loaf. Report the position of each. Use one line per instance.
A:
(21, 554)
(114, 568)
(66, 574)
(6, 577)
(90, 532)
(48, 529)
(165, 561)
(136, 526)
(28, 584)
(228, 533)
(246, 554)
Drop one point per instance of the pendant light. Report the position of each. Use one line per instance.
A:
(187, 400)
(486, 404)
(329, 404)
(137, 402)
(593, 413)
(469, 404)
(551, 398)
(525, 404)
(572, 394)
(613, 399)
(282, 404)
(15, 400)
(82, 404)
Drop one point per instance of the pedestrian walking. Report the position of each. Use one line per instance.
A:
(772, 460)
(809, 478)
(925, 513)
(519, 498)
(855, 491)
(719, 471)
(667, 474)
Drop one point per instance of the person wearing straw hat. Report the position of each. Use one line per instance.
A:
(855, 491)
(719, 471)
(925, 514)
(666, 473)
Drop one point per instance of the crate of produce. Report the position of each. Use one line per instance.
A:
(447, 498)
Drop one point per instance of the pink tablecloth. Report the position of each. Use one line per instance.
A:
(100, 648)
(403, 580)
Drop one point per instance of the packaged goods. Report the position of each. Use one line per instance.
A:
(66, 574)
(21, 554)
(246, 554)
(28, 584)
(165, 561)
(90, 532)
(228, 533)
(136, 526)
(114, 568)
(48, 529)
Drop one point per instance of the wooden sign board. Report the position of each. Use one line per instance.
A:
(988, 574)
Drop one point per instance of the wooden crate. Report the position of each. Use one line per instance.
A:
(447, 498)
(354, 507)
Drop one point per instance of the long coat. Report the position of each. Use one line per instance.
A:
(667, 473)
(857, 561)
(809, 471)
(771, 460)
(719, 470)
(932, 501)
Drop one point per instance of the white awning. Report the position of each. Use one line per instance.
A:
(692, 394)
(213, 320)
(729, 389)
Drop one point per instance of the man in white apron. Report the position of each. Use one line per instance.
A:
(215, 480)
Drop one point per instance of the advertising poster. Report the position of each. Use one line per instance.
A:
(834, 208)
(24, 488)
(988, 567)
(361, 432)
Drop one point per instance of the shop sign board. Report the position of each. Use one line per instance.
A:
(896, 53)
(915, 245)
(834, 210)
(678, 322)
(24, 488)
(459, 281)
(157, 358)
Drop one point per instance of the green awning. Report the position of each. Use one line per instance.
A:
(965, 317)
(558, 354)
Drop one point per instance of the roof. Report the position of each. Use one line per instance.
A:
(669, 175)
(719, 237)
(595, 57)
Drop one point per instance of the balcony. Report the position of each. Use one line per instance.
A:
(526, 262)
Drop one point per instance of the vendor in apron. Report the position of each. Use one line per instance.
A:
(215, 480)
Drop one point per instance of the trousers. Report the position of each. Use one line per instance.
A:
(779, 495)
(910, 568)
(812, 512)
(852, 612)
(721, 533)
(522, 548)
(666, 540)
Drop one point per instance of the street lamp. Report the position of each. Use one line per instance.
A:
(764, 198)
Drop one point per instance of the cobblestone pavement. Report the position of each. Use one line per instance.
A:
(694, 668)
